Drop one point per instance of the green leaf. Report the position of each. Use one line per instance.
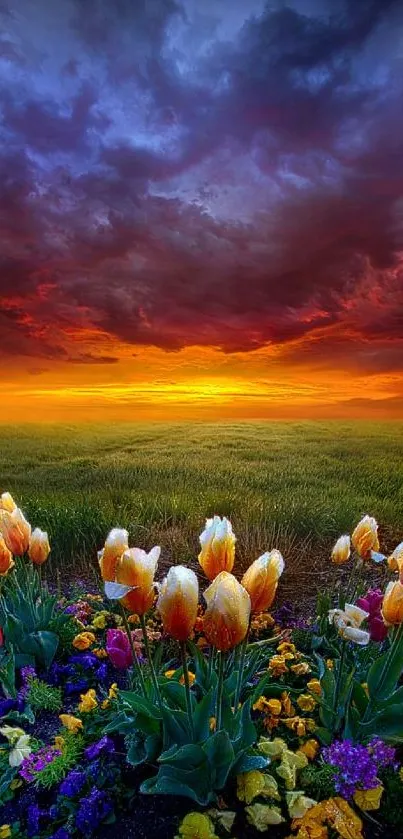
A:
(190, 756)
(324, 735)
(139, 703)
(221, 756)
(382, 682)
(387, 724)
(176, 728)
(193, 784)
(247, 762)
(201, 716)
(120, 723)
(174, 693)
(359, 698)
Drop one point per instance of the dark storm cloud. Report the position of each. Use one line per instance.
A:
(173, 177)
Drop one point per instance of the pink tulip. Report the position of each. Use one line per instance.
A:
(372, 603)
(118, 649)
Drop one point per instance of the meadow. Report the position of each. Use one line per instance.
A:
(296, 486)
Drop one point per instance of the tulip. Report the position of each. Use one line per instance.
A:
(372, 603)
(395, 561)
(39, 548)
(341, 550)
(365, 537)
(392, 606)
(116, 544)
(348, 622)
(16, 531)
(218, 547)
(119, 649)
(261, 580)
(7, 502)
(6, 558)
(177, 602)
(226, 619)
(136, 568)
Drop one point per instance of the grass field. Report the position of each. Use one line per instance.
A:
(296, 486)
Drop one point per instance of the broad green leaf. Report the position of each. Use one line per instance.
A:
(176, 728)
(201, 716)
(220, 753)
(139, 703)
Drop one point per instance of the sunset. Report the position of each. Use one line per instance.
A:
(181, 236)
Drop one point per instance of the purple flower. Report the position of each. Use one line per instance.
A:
(85, 660)
(372, 603)
(73, 783)
(118, 649)
(80, 686)
(105, 745)
(62, 833)
(354, 767)
(34, 818)
(93, 809)
(7, 705)
(383, 754)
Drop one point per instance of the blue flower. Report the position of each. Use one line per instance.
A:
(105, 744)
(354, 767)
(34, 818)
(86, 660)
(73, 783)
(62, 833)
(76, 687)
(102, 672)
(93, 809)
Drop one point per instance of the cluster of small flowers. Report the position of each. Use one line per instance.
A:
(93, 809)
(356, 766)
(27, 673)
(37, 761)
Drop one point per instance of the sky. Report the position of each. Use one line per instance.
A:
(201, 209)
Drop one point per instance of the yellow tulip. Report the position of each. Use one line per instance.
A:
(226, 618)
(177, 602)
(16, 531)
(6, 558)
(395, 561)
(341, 550)
(392, 606)
(217, 547)
(116, 544)
(137, 568)
(39, 548)
(261, 580)
(365, 537)
(7, 502)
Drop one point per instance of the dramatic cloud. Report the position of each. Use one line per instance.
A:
(216, 174)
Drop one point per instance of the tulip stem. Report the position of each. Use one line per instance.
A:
(150, 661)
(134, 654)
(182, 645)
(241, 667)
(220, 688)
(210, 664)
(338, 682)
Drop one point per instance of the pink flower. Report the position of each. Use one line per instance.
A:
(372, 603)
(118, 649)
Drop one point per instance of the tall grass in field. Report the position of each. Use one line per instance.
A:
(294, 485)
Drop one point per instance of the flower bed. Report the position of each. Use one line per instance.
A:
(148, 709)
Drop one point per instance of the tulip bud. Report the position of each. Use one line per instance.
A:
(16, 531)
(116, 544)
(39, 548)
(365, 537)
(226, 619)
(261, 580)
(137, 568)
(7, 502)
(177, 602)
(341, 550)
(218, 547)
(6, 558)
(395, 561)
(392, 606)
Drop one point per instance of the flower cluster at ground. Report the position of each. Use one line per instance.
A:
(256, 721)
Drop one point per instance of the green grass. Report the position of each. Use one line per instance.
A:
(294, 485)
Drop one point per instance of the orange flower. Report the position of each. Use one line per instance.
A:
(192, 678)
(16, 531)
(226, 619)
(6, 558)
(7, 502)
(341, 550)
(277, 665)
(261, 580)
(310, 749)
(39, 548)
(177, 602)
(392, 606)
(365, 537)
(395, 561)
(83, 640)
(116, 544)
(137, 568)
(217, 547)
(314, 686)
(301, 669)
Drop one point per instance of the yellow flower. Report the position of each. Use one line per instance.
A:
(341, 550)
(274, 707)
(365, 537)
(212, 723)
(310, 748)
(291, 762)
(169, 673)
(329, 663)
(196, 826)
(301, 669)
(369, 799)
(261, 816)
(226, 618)
(100, 653)
(288, 707)
(88, 701)
(298, 804)
(314, 686)
(306, 702)
(277, 665)
(71, 723)
(6, 558)
(192, 678)
(261, 580)
(83, 640)
(99, 622)
(39, 548)
(286, 647)
(59, 742)
(300, 725)
(177, 602)
(7, 502)
(16, 783)
(249, 785)
(392, 606)
(217, 547)
(273, 749)
(5, 831)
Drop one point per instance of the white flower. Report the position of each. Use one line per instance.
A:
(20, 751)
(347, 623)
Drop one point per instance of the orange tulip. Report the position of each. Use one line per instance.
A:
(261, 580)
(365, 537)
(218, 547)
(6, 558)
(7, 502)
(39, 548)
(137, 568)
(226, 618)
(392, 606)
(116, 544)
(16, 531)
(341, 550)
(177, 602)
(395, 561)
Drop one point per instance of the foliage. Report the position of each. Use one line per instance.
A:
(26, 610)
(43, 697)
(57, 769)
